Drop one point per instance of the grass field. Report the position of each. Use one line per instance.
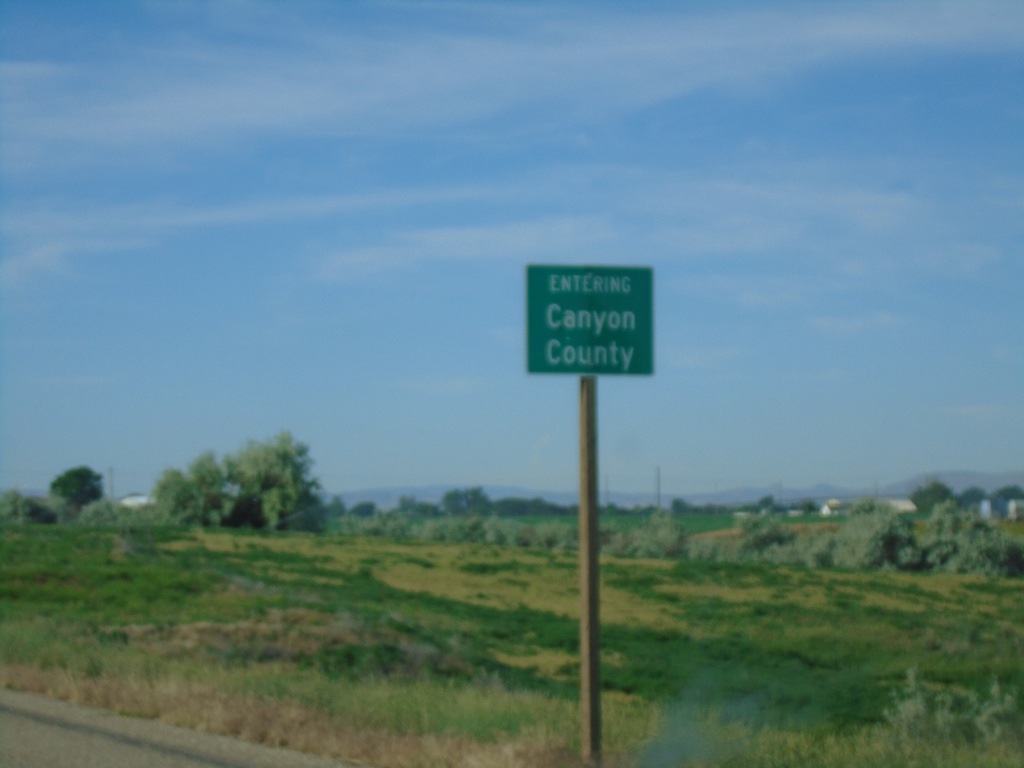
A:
(411, 654)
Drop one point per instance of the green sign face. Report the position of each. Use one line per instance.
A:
(589, 320)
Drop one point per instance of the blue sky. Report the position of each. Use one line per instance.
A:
(220, 220)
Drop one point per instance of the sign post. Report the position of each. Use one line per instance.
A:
(589, 550)
(588, 321)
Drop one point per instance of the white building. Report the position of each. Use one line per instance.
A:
(135, 501)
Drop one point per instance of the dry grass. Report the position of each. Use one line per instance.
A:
(283, 723)
(281, 634)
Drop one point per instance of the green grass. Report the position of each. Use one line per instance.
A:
(493, 632)
(692, 524)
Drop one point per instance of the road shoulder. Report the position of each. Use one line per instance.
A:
(195, 746)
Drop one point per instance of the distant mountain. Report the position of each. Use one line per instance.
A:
(958, 480)
(388, 497)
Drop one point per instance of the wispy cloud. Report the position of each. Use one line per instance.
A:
(166, 92)
(440, 386)
(43, 258)
(157, 215)
(702, 357)
(41, 238)
(748, 289)
(526, 66)
(521, 240)
(53, 255)
(852, 325)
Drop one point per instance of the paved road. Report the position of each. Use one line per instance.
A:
(37, 732)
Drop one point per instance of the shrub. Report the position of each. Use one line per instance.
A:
(526, 536)
(710, 550)
(106, 513)
(959, 541)
(759, 535)
(658, 536)
(463, 530)
(100, 513)
(556, 536)
(500, 532)
(16, 508)
(387, 524)
(922, 714)
(876, 536)
(816, 550)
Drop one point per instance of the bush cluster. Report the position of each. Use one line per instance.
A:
(659, 536)
(876, 536)
(16, 508)
(472, 529)
(920, 713)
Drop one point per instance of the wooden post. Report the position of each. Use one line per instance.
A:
(590, 626)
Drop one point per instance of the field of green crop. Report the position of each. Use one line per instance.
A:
(412, 653)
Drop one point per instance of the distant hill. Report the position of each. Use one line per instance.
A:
(959, 480)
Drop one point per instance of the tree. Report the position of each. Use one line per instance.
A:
(270, 482)
(972, 497)
(335, 507)
(265, 485)
(364, 509)
(471, 501)
(410, 507)
(808, 506)
(516, 507)
(198, 497)
(210, 479)
(930, 494)
(1008, 493)
(682, 507)
(78, 486)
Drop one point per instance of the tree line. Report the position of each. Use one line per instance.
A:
(270, 485)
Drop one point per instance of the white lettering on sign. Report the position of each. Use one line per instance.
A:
(569, 355)
(589, 283)
(571, 319)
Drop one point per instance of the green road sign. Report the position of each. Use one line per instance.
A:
(589, 320)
